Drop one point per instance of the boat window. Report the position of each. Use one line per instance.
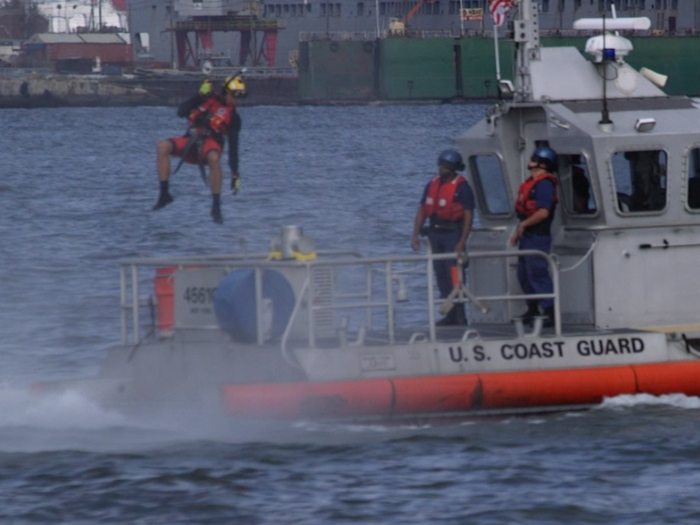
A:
(490, 183)
(694, 179)
(575, 185)
(640, 180)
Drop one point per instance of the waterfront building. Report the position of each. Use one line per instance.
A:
(267, 32)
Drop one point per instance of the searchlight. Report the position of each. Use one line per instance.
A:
(506, 87)
(644, 124)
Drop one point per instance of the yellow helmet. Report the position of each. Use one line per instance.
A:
(235, 85)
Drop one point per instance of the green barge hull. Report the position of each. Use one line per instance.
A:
(454, 68)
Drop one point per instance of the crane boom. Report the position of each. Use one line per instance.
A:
(415, 10)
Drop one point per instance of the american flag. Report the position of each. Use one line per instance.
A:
(499, 10)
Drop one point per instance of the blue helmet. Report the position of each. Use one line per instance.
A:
(547, 157)
(452, 159)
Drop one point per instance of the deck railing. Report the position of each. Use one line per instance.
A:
(368, 296)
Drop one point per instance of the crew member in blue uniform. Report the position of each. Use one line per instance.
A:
(535, 205)
(448, 203)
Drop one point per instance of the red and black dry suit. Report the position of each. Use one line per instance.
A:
(213, 122)
(444, 203)
(533, 271)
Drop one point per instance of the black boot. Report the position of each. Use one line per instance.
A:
(448, 320)
(164, 198)
(216, 210)
(549, 318)
(459, 318)
(532, 312)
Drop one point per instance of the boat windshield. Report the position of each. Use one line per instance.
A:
(640, 180)
(575, 185)
(694, 179)
(487, 176)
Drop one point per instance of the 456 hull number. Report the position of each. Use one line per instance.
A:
(199, 295)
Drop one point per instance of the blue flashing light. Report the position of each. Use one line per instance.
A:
(609, 53)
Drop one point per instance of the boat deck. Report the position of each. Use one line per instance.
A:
(402, 336)
(504, 331)
(446, 334)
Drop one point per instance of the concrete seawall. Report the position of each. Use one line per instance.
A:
(35, 89)
(50, 90)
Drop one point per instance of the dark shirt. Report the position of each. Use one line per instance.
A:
(543, 192)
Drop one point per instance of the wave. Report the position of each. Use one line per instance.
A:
(68, 409)
(636, 400)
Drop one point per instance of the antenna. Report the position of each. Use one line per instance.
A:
(605, 123)
(527, 39)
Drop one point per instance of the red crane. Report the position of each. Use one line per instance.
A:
(415, 10)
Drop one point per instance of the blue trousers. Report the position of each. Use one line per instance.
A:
(533, 272)
(444, 241)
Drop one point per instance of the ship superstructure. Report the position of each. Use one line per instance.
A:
(238, 32)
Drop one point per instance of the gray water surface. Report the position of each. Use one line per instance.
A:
(76, 189)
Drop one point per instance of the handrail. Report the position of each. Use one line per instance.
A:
(123, 306)
(359, 300)
(607, 227)
(481, 229)
(292, 318)
(223, 259)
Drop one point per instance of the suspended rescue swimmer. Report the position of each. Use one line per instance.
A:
(212, 117)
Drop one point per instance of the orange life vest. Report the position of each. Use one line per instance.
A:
(212, 115)
(440, 200)
(527, 205)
